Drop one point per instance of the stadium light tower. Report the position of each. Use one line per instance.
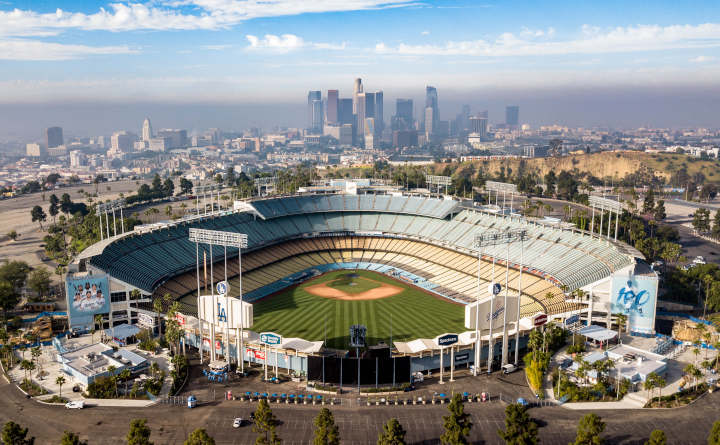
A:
(224, 239)
(612, 206)
(205, 190)
(438, 181)
(494, 238)
(104, 208)
(265, 182)
(501, 187)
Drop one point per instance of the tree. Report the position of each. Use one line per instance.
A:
(186, 186)
(27, 366)
(457, 424)
(157, 183)
(39, 281)
(657, 437)
(139, 433)
(621, 321)
(13, 235)
(392, 433)
(38, 214)
(9, 298)
(158, 308)
(60, 381)
(589, 430)
(265, 424)
(520, 429)
(326, 432)
(701, 220)
(199, 437)
(66, 204)
(714, 437)
(649, 202)
(70, 438)
(659, 213)
(14, 434)
(111, 370)
(15, 272)
(168, 187)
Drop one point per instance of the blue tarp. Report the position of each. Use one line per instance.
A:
(123, 331)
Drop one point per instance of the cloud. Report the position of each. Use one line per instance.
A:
(216, 47)
(702, 59)
(287, 42)
(425, 33)
(24, 49)
(593, 40)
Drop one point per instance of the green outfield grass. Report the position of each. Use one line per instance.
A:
(415, 313)
(351, 283)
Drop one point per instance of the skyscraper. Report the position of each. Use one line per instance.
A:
(332, 107)
(431, 101)
(357, 90)
(317, 116)
(360, 113)
(512, 115)
(345, 111)
(379, 110)
(53, 137)
(147, 132)
(478, 125)
(429, 123)
(312, 97)
(404, 109)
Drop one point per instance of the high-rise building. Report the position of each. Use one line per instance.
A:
(403, 118)
(345, 111)
(36, 151)
(77, 158)
(478, 125)
(360, 114)
(429, 123)
(53, 137)
(512, 115)
(431, 101)
(178, 138)
(369, 133)
(312, 97)
(317, 116)
(122, 142)
(379, 113)
(147, 132)
(357, 89)
(333, 100)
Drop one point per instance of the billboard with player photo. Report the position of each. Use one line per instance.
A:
(87, 295)
(636, 297)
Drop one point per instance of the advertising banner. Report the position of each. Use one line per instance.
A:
(635, 296)
(86, 296)
(498, 313)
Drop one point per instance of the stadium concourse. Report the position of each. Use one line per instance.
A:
(425, 240)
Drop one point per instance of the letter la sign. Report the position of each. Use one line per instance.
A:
(222, 315)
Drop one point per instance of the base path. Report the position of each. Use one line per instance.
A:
(385, 290)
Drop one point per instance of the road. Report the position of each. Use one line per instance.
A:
(357, 424)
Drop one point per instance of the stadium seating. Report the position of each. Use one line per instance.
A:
(428, 237)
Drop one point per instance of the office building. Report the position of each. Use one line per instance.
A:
(405, 138)
(160, 143)
(317, 117)
(122, 142)
(431, 101)
(313, 96)
(379, 113)
(333, 100)
(429, 123)
(403, 118)
(512, 115)
(357, 90)
(147, 132)
(478, 126)
(53, 137)
(36, 151)
(178, 138)
(345, 111)
(360, 113)
(369, 133)
(77, 159)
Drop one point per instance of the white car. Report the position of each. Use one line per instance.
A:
(75, 405)
(699, 260)
(237, 423)
(509, 368)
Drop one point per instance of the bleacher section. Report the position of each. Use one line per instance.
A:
(428, 237)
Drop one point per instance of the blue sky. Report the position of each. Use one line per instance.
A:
(243, 50)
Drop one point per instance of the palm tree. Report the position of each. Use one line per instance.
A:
(707, 336)
(99, 321)
(27, 366)
(154, 369)
(111, 370)
(158, 308)
(60, 381)
(621, 321)
(125, 376)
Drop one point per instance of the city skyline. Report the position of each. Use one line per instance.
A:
(242, 50)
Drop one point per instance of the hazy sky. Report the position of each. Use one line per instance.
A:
(648, 54)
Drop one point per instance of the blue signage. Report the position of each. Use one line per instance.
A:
(87, 296)
(222, 315)
(447, 340)
(635, 297)
(494, 288)
(270, 338)
(572, 320)
(222, 287)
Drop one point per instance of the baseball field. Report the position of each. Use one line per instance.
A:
(326, 306)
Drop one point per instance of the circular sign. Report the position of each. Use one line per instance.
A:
(221, 287)
(494, 288)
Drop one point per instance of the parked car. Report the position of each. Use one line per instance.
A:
(509, 368)
(78, 404)
(238, 422)
(699, 260)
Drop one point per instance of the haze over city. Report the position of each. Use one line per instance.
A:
(613, 64)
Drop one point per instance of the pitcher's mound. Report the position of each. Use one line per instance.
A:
(383, 291)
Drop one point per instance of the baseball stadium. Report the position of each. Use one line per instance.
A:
(403, 265)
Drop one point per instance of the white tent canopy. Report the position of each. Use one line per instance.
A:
(598, 333)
